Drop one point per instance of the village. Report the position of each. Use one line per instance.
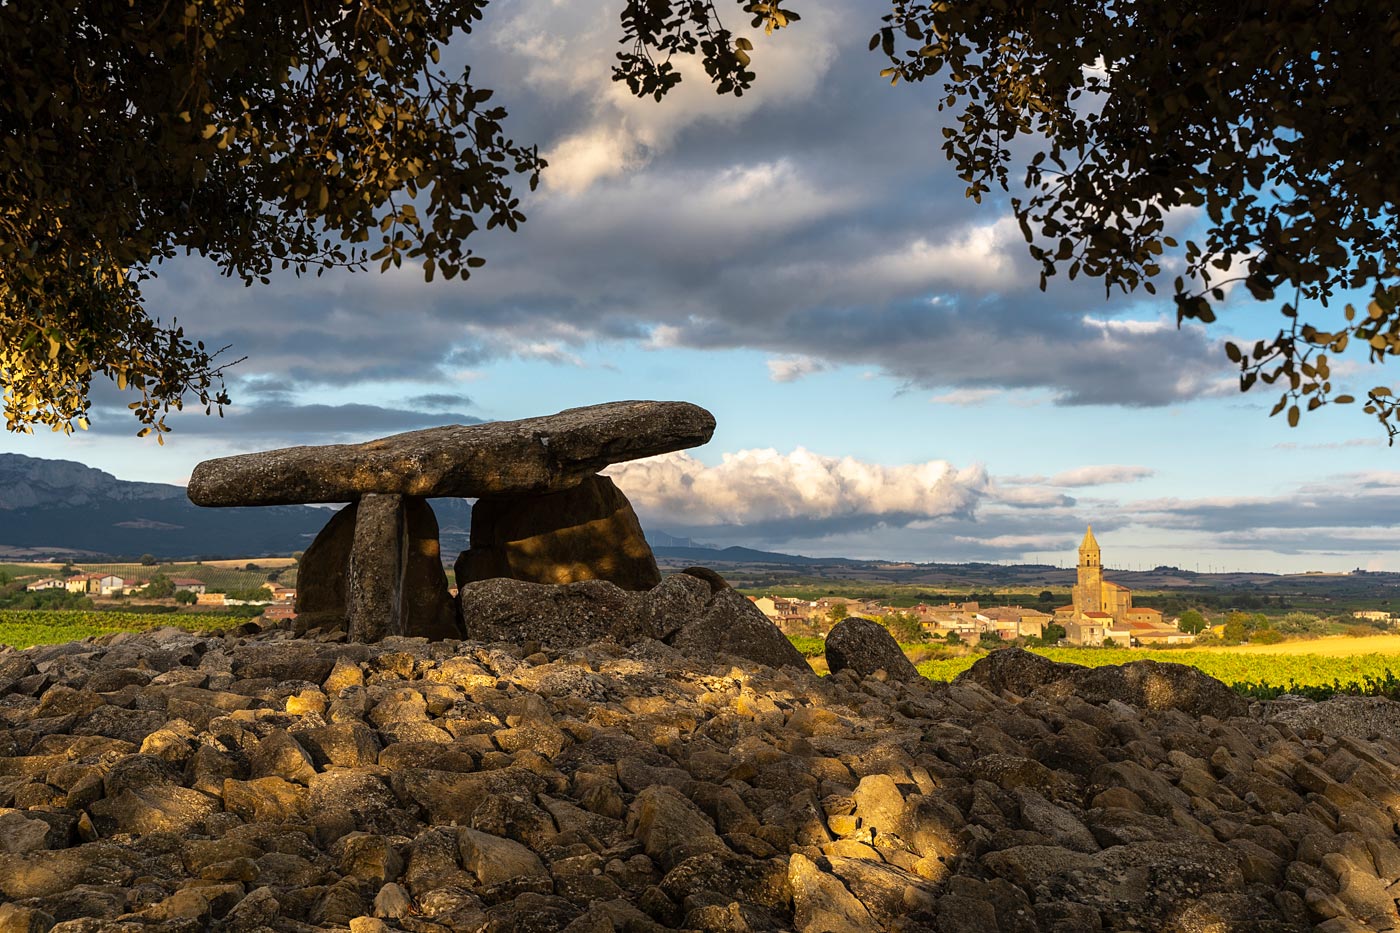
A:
(1100, 614)
(278, 601)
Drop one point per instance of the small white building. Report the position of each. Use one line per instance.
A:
(108, 585)
(48, 583)
(188, 583)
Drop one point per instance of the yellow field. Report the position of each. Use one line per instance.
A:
(266, 563)
(1332, 646)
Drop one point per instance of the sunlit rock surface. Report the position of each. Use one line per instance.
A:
(529, 456)
(167, 781)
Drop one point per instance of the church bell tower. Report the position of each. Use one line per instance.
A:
(1088, 593)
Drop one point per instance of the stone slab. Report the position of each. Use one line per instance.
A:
(428, 608)
(531, 456)
(587, 532)
(374, 583)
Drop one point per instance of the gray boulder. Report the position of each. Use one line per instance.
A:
(1152, 685)
(865, 647)
(731, 624)
(1358, 717)
(1015, 670)
(567, 616)
(685, 611)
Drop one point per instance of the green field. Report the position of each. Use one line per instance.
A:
(26, 628)
(1255, 675)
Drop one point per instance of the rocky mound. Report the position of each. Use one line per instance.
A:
(171, 782)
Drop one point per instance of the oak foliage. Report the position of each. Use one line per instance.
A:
(1278, 121)
(299, 135)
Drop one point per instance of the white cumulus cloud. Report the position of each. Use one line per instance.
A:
(966, 397)
(758, 486)
(793, 368)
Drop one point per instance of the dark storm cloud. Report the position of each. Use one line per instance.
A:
(437, 401)
(284, 423)
(1348, 502)
(816, 217)
(1327, 542)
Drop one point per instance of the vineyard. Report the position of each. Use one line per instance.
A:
(26, 628)
(1258, 676)
(218, 579)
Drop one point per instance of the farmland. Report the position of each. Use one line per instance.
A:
(1250, 670)
(220, 576)
(26, 628)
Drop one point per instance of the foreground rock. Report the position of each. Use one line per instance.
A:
(167, 782)
(1146, 684)
(685, 611)
(864, 647)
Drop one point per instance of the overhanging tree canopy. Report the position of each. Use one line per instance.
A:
(257, 135)
(291, 134)
(1277, 120)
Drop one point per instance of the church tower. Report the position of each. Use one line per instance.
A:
(1088, 594)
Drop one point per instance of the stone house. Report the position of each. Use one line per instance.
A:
(101, 584)
(1153, 637)
(278, 612)
(280, 593)
(1144, 614)
(1088, 631)
(779, 608)
(81, 583)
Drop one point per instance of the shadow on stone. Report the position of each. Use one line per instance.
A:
(392, 582)
(588, 532)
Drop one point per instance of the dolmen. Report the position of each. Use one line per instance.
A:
(543, 514)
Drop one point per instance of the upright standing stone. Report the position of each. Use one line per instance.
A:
(374, 583)
(428, 608)
(321, 574)
(412, 567)
(588, 532)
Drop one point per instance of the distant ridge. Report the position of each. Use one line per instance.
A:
(744, 555)
(60, 508)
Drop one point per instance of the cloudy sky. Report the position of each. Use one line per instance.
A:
(888, 379)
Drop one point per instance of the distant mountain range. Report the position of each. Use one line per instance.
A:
(741, 555)
(60, 508)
